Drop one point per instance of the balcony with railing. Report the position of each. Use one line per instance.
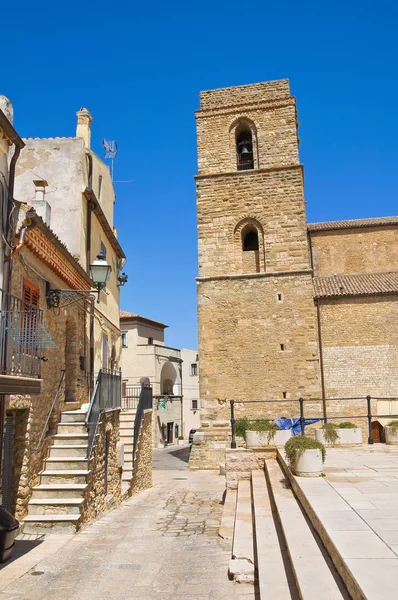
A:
(22, 338)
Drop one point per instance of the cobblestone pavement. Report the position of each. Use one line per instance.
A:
(159, 545)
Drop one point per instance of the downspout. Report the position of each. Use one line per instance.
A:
(318, 314)
(6, 283)
(318, 317)
(91, 334)
(90, 208)
(182, 400)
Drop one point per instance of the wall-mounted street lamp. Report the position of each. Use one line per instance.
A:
(99, 271)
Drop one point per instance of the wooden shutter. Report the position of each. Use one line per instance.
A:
(30, 293)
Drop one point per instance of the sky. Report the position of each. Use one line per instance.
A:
(139, 67)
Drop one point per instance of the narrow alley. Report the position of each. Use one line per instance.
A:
(159, 545)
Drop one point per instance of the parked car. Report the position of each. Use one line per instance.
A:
(190, 438)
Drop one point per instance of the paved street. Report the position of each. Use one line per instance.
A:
(159, 545)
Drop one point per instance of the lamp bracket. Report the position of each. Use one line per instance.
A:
(59, 298)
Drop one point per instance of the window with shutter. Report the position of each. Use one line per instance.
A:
(31, 297)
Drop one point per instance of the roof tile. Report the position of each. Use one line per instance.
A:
(356, 285)
(351, 224)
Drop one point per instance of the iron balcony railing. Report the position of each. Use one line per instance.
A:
(21, 337)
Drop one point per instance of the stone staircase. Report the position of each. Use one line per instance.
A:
(58, 500)
(273, 543)
(126, 439)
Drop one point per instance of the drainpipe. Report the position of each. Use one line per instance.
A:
(318, 314)
(91, 334)
(6, 283)
(182, 399)
(90, 208)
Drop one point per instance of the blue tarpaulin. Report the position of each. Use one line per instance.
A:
(294, 424)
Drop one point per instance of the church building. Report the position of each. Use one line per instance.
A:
(286, 309)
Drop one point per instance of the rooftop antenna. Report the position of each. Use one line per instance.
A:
(110, 152)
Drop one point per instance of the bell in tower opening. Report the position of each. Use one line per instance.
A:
(244, 150)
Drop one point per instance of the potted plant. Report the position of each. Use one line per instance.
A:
(391, 432)
(265, 433)
(180, 440)
(305, 455)
(339, 434)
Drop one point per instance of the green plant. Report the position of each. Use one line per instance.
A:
(180, 437)
(330, 433)
(347, 425)
(240, 427)
(295, 447)
(264, 426)
(393, 424)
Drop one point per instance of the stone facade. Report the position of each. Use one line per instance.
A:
(68, 332)
(142, 468)
(264, 333)
(104, 489)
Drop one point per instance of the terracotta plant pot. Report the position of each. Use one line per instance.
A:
(391, 434)
(346, 437)
(260, 439)
(308, 464)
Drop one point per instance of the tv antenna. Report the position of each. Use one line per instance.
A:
(110, 152)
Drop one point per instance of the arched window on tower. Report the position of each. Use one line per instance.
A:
(250, 250)
(250, 240)
(244, 149)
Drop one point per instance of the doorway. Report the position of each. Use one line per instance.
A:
(170, 432)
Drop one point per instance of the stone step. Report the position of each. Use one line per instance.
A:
(241, 566)
(366, 564)
(127, 474)
(73, 416)
(272, 577)
(66, 462)
(128, 415)
(64, 476)
(226, 530)
(70, 439)
(58, 490)
(76, 428)
(314, 578)
(47, 506)
(126, 432)
(69, 451)
(43, 524)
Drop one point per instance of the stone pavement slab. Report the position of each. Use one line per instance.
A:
(357, 506)
(159, 545)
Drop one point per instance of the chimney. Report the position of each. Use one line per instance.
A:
(83, 129)
(40, 204)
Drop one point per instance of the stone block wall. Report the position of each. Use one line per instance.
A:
(243, 326)
(273, 200)
(99, 496)
(142, 467)
(240, 462)
(359, 250)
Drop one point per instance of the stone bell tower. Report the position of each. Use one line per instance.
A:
(257, 328)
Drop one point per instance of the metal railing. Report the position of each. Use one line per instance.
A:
(144, 403)
(21, 325)
(130, 396)
(304, 416)
(106, 396)
(45, 428)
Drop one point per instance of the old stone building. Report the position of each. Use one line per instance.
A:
(285, 309)
(63, 463)
(172, 373)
